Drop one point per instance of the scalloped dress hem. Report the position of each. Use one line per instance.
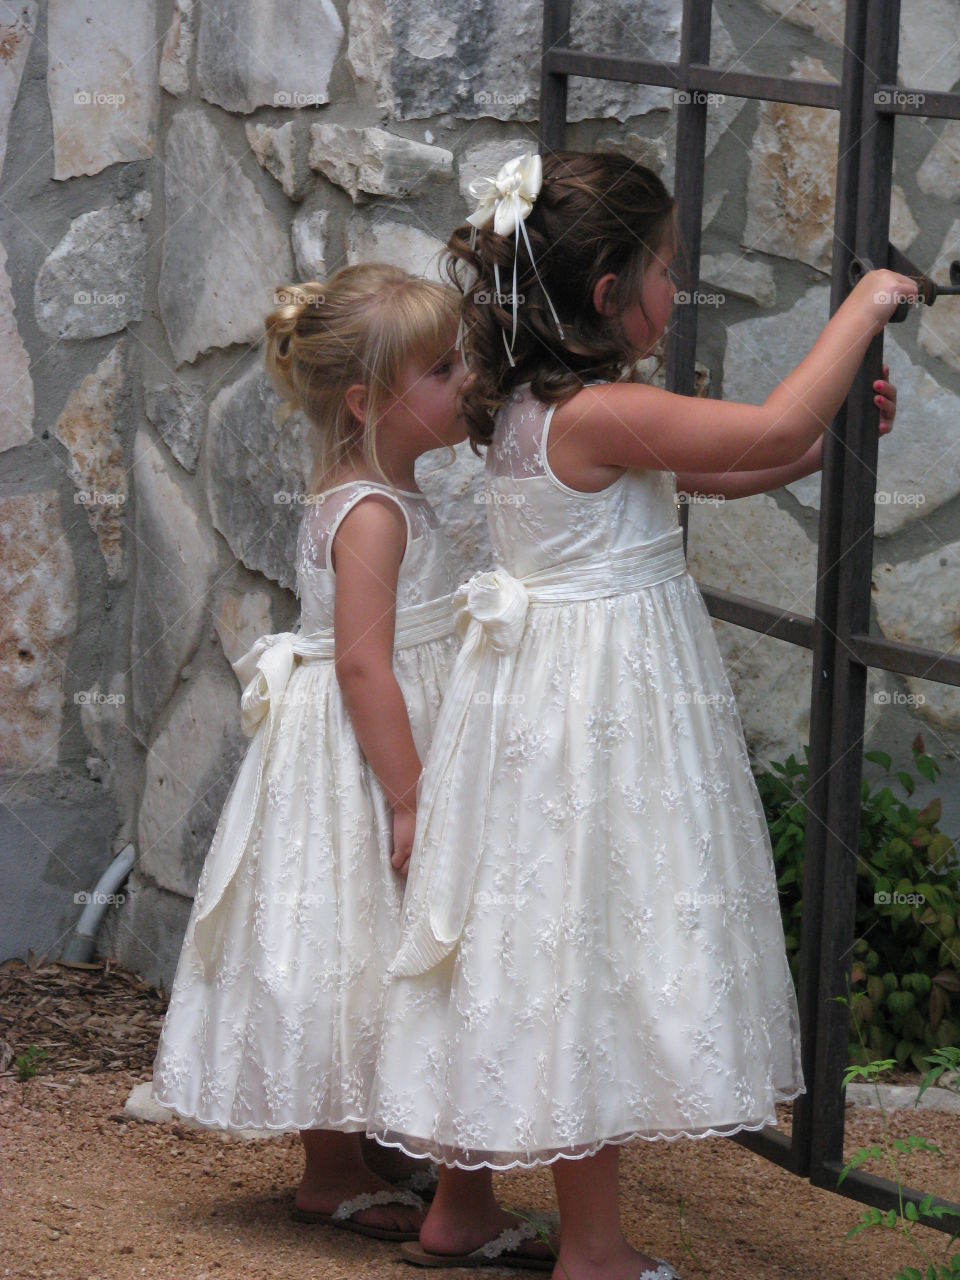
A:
(348, 1124)
(550, 1155)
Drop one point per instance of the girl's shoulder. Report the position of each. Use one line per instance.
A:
(370, 511)
(357, 504)
(536, 439)
(333, 502)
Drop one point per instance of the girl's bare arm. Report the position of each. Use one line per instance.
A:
(743, 484)
(636, 425)
(367, 551)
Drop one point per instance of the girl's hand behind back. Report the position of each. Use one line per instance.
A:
(404, 826)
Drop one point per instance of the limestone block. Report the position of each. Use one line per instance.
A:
(222, 255)
(89, 431)
(38, 585)
(102, 83)
(92, 282)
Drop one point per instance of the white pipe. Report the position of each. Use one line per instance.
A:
(80, 947)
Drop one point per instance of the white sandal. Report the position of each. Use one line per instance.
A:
(501, 1251)
(342, 1216)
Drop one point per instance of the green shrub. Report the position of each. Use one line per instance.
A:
(906, 960)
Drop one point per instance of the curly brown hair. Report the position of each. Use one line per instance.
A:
(596, 212)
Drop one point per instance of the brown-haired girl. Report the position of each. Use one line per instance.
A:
(274, 1016)
(592, 948)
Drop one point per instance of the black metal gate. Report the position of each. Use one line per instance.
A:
(868, 101)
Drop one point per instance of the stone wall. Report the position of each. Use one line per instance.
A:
(165, 165)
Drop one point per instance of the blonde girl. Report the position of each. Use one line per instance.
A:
(274, 1016)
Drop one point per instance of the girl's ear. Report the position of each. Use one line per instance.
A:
(356, 398)
(600, 291)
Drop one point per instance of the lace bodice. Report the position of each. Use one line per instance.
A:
(425, 572)
(537, 521)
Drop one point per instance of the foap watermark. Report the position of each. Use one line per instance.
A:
(88, 298)
(696, 697)
(484, 699)
(897, 498)
(896, 899)
(84, 898)
(488, 898)
(297, 98)
(97, 98)
(499, 99)
(312, 297)
(694, 898)
(885, 296)
(699, 298)
(94, 698)
(297, 899)
(490, 297)
(487, 499)
(293, 498)
(706, 499)
(898, 98)
(897, 698)
(297, 696)
(94, 498)
(684, 97)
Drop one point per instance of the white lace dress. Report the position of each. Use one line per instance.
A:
(274, 1015)
(618, 969)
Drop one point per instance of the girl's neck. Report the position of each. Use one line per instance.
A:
(402, 478)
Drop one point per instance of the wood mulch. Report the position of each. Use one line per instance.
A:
(85, 1018)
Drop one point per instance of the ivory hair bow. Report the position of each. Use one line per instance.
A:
(506, 200)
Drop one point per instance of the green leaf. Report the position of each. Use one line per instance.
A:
(926, 766)
(901, 1002)
(870, 1218)
(879, 757)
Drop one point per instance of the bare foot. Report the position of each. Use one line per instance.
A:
(335, 1172)
(324, 1197)
(445, 1232)
(619, 1265)
(391, 1163)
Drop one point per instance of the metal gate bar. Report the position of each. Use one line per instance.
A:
(839, 634)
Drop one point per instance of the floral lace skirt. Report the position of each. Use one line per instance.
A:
(283, 1033)
(622, 969)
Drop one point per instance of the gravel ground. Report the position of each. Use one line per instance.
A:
(86, 1194)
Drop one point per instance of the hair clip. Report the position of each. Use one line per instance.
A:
(506, 200)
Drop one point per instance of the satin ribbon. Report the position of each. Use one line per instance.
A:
(265, 672)
(505, 201)
(491, 611)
